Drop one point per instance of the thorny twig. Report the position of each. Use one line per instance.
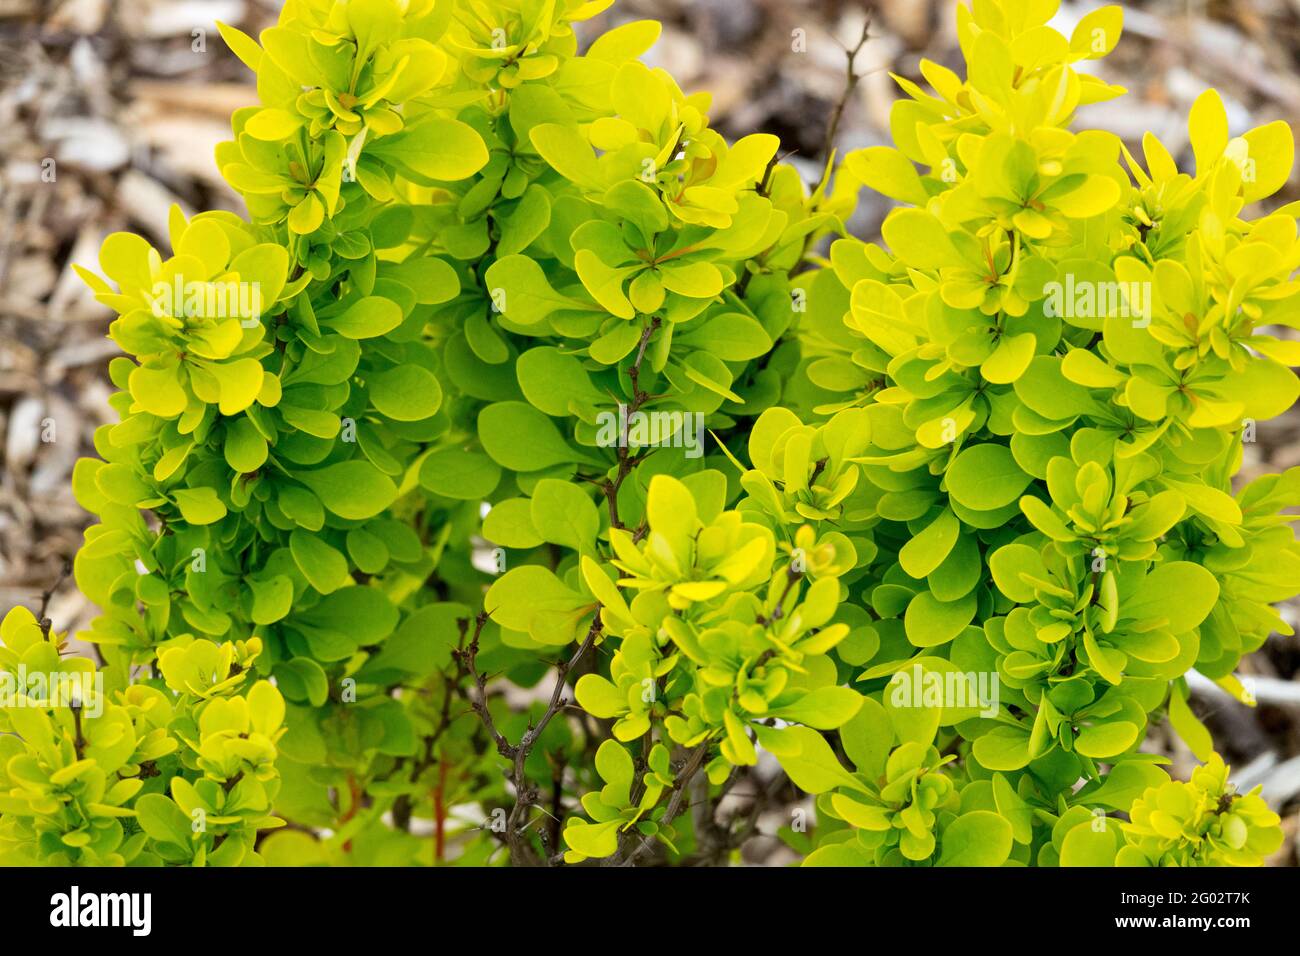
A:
(402, 806)
(764, 189)
(526, 794)
(792, 577)
(41, 616)
(639, 397)
(851, 81)
(675, 803)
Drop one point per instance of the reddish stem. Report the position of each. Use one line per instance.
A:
(440, 814)
(355, 792)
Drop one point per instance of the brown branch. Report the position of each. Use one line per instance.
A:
(710, 836)
(764, 189)
(791, 578)
(851, 80)
(467, 659)
(675, 803)
(79, 742)
(402, 806)
(44, 622)
(557, 801)
(761, 800)
(639, 397)
(526, 793)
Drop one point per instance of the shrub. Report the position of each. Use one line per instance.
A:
(98, 770)
(435, 414)
(1057, 365)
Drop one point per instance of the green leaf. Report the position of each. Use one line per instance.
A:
(1012, 808)
(323, 567)
(1106, 661)
(1097, 33)
(615, 767)
(518, 287)
(287, 848)
(927, 550)
(421, 645)
(912, 719)
(838, 855)
(1179, 592)
(1127, 781)
(985, 477)
(555, 382)
(868, 737)
(355, 489)
(920, 239)
(697, 280)
(1272, 148)
(162, 819)
(615, 344)
(367, 318)
(463, 475)
(1008, 563)
(1208, 128)
(434, 148)
(533, 600)
(245, 449)
(242, 45)
(593, 840)
(1106, 740)
(364, 614)
(199, 506)
(599, 697)
(562, 513)
(1002, 748)
(158, 391)
(888, 172)
(825, 708)
(731, 336)
(521, 438)
(302, 679)
(1193, 732)
(272, 599)
(804, 754)
(1086, 845)
(510, 524)
(930, 622)
(1010, 359)
(238, 382)
(567, 152)
(407, 393)
(604, 283)
(978, 838)
(671, 512)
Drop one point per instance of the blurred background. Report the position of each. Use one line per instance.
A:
(110, 109)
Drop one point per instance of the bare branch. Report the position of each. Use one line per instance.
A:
(675, 803)
(42, 620)
(625, 462)
(851, 80)
(526, 793)
(468, 658)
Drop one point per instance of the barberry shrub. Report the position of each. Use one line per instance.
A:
(1056, 364)
(515, 359)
